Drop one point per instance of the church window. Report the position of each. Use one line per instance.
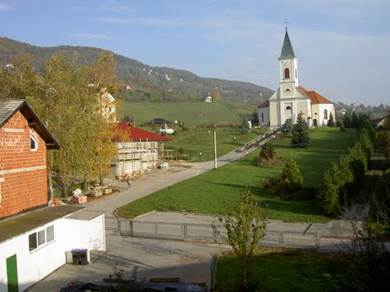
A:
(288, 89)
(286, 73)
(288, 108)
(262, 117)
(326, 114)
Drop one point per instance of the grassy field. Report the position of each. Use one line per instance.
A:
(293, 271)
(191, 113)
(216, 191)
(190, 143)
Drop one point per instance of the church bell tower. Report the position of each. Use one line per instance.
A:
(288, 64)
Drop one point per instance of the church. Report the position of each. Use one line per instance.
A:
(291, 99)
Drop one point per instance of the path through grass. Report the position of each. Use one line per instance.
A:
(196, 144)
(218, 190)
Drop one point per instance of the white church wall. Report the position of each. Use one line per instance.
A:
(264, 116)
(323, 120)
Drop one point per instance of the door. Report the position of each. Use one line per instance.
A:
(12, 274)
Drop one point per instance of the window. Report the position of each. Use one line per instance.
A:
(288, 108)
(33, 143)
(288, 89)
(38, 239)
(286, 73)
(262, 117)
(41, 237)
(325, 114)
(32, 241)
(50, 233)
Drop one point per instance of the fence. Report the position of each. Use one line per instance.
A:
(214, 233)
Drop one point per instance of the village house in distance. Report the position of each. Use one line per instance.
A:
(35, 238)
(292, 99)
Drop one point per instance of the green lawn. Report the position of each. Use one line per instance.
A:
(293, 271)
(191, 113)
(216, 191)
(192, 142)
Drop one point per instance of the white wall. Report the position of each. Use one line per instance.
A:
(265, 112)
(321, 108)
(37, 264)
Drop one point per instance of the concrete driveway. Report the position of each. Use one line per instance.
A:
(153, 258)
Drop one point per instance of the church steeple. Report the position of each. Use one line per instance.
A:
(287, 49)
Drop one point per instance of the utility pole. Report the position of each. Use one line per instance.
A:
(215, 147)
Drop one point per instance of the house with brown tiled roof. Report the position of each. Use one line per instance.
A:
(291, 99)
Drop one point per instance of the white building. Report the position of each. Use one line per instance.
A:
(34, 245)
(291, 99)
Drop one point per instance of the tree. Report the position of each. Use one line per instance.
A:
(267, 155)
(382, 143)
(354, 121)
(245, 226)
(216, 94)
(342, 127)
(287, 127)
(331, 120)
(347, 120)
(329, 194)
(300, 133)
(291, 179)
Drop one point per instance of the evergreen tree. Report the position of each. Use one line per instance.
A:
(300, 133)
(266, 155)
(342, 126)
(331, 120)
(354, 121)
(287, 126)
(347, 120)
(291, 179)
(366, 125)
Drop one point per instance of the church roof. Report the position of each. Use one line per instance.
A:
(314, 96)
(287, 49)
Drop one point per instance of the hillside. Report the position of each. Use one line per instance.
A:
(191, 113)
(148, 83)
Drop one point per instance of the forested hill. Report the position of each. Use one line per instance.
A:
(145, 82)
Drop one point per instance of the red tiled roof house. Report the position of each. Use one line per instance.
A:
(138, 150)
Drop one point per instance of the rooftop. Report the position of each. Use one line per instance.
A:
(9, 107)
(314, 96)
(20, 224)
(287, 49)
(138, 134)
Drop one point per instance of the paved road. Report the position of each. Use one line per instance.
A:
(154, 258)
(160, 179)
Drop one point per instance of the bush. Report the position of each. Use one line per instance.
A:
(343, 180)
(267, 155)
(291, 179)
(300, 134)
(287, 127)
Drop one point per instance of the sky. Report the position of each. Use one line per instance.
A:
(343, 46)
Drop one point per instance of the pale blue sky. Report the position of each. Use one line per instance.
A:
(343, 46)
